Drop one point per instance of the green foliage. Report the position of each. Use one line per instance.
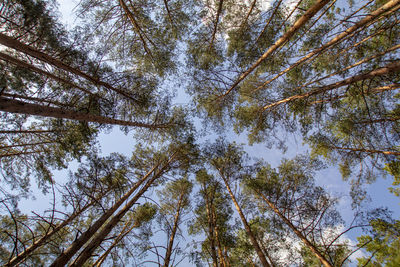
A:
(382, 244)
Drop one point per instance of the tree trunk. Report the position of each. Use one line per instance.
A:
(391, 68)
(26, 65)
(281, 41)
(367, 19)
(135, 27)
(306, 242)
(253, 239)
(396, 153)
(269, 20)
(220, 254)
(170, 246)
(17, 259)
(210, 227)
(219, 11)
(17, 45)
(19, 153)
(27, 131)
(37, 99)
(63, 259)
(102, 234)
(253, 4)
(25, 145)
(16, 106)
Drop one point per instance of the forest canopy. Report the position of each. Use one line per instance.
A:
(196, 84)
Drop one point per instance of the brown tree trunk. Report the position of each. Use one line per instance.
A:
(20, 257)
(210, 227)
(27, 131)
(25, 145)
(281, 41)
(269, 20)
(170, 246)
(17, 45)
(19, 154)
(16, 106)
(253, 239)
(63, 259)
(168, 12)
(367, 19)
(253, 4)
(220, 248)
(102, 234)
(219, 11)
(391, 68)
(135, 27)
(396, 153)
(299, 234)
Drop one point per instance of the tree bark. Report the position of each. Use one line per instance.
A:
(17, 45)
(102, 234)
(26, 131)
(390, 68)
(219, 11)
(170, 246)
(210, 227)
(63, 259)
(16, 106)
(370, 17)
(135, 26)
(253, 239)
(299, 234)
(281, 41)
(396, 153)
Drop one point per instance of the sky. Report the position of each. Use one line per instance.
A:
(330, 179)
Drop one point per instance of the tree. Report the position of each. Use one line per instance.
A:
(174, 203)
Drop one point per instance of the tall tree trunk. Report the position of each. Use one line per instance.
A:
(253, 4)
(17, 45)
(168, 12)
(20, 257)
(26, 65)
(64, 257)
(25, 145)
(219, 11)
(367, 19)
(136, 27)
(390, 68)
(170, 246)
(16, 106)
(269, 20)
(37, 99)
(210, 227)
(27, 131)
(281, 41)
(220, 248)
(253, 239)
(19, 153)
(396, 153)
(299, 234)
(102, 234)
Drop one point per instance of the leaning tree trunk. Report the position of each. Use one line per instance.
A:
(100, 236)
(170, 246)
(63, 259)
(281, 41)
(253, 239)
(16, 106)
